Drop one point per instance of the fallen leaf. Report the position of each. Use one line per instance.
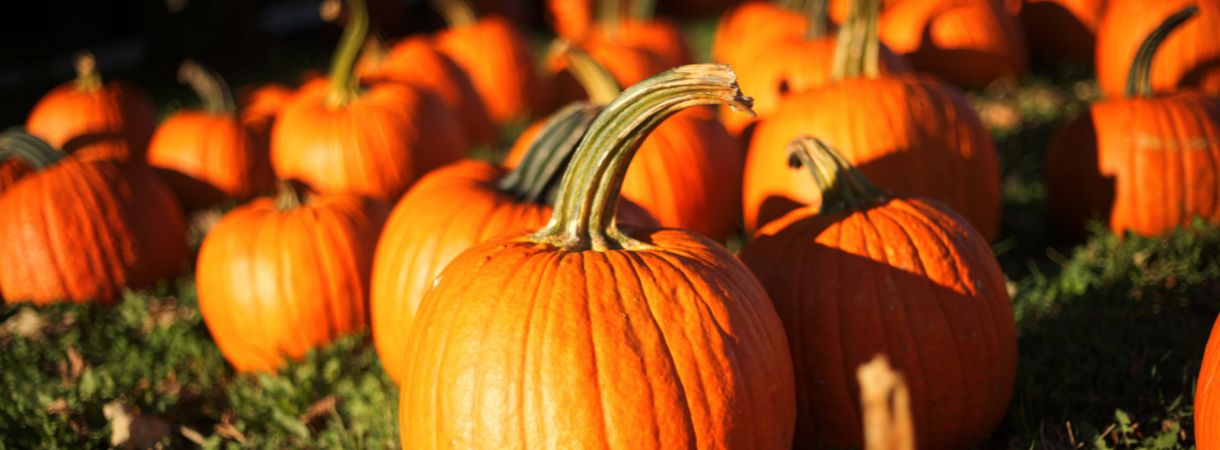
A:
(134, 431)
(319, 409)
(27, 323)
(76, 363)
(226, 429)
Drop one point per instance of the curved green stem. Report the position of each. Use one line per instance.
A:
(87, 78)
(209, 86)
(817, 26)
(589, 193)
(857, 47)
(536, 179)
(344, 85)
(599, 84)
(843, 187)
(1139, 82)
(457, 13)
(15, 142)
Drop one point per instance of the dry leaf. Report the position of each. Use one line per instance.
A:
(886, 405)
(191, 435)
(76, 363)
(226, 429)
(133, 431)
(27, 323)
(319, 409)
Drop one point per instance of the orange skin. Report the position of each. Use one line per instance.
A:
(752, 26)
(909, 279)
(416, 246)
(274, 283)
(414, 61)
(1145, 165)
(500, 63)
(661, 38)
(933, 145)
(1188, 57)
(261, 105)
(11, 172)
(1207, 395)
(678, 339)
(627, 65)
(376, 145)
(209, 157)
(117, 107)
(1061, 29)
(570, 19)
(85, 229)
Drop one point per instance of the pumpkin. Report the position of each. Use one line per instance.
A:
(495, 55)
(87, 106)
(83, 229)
(1191, 57)
(635, 28)
(910, 133)
(1207, 395)
(337, 137)
(279, 276)
(1061, 29)
(461, 205)
(687, 168)
(570, 18)
(587, 335)
(10, 171)
(1145, 163)
(746, 28)
(16, 165)
(208, 155)
(866, 273)
(261, 105)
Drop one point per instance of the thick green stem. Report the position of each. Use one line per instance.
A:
(34, 152)
(843, 187)
(598, 83)
(457, 13)
(536, 179)
(817, 26)
(209, 86)
(344, 85)
(589, 193)
(857, 47)
(87, 78)
(1139, 82)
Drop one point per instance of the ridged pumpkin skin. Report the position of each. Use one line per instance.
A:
(906, 278)
(931, 144)
(500, 63)
(117, 107)
(1207, 395)
(207, 157)
(1145, 165)
(614, 349)
(377, 145)
(12, 171)
(1061, 29)
(1189, 57)
(85, 229)
(752, 26)
(274, 283)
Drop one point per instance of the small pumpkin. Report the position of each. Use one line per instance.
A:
(458, 206)
(1189, 58)
(1145, 163)
(338, 137)
(495, 55)
(746, 28)
(279, 276)
(908, 132)
(866, 273)
(1061, 29)
(630, 24)
(587, 335)
(87, 106)
(208, 155)
(1207, 395)
(83, 229)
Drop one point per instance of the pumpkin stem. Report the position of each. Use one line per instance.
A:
(843, 187)
(210, 87)
(456, 13)
(857, 47)
(886, 406)
(642, 10)
(344, 85)
(1139, 82)
(588, 197)
(289, 195)
(598, 83)
(536, 178)
(87, 78)
(815, 14)
(609, 15)
(374, 48)
(15, 142)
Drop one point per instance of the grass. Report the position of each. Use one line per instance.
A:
(1111, 334)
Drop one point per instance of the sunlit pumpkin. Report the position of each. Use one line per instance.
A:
(1189, 58)
(495, 55)
(1207, 395)
(1061, 29)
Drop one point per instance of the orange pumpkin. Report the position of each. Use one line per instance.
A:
(570, 18)
(495, 55)
(1207, 395)
(22, 155)
(276, 277)
(10, 171)
(867, 273)
(753, 25)
(1145, 163)
(83, 229)
(1191, 57)
(636, 29)
(1061, 29)
(909, 133)
(208, 155)
(261, 105)
(461, 205)
(339, 138)
(87, 106)
(587, 335)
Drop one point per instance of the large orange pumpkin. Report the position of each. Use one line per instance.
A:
(495, 55)
(211, 154)
(1191, 57)
(867, 273)
(1145, 163)
(1061, 29)
(587, 335)
(87, 106)
(628, 24)
(909, 133)
(1207, 395)
(461, 205)
(83, 229)
(753, 25)
(276, 276)
(338, 137)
